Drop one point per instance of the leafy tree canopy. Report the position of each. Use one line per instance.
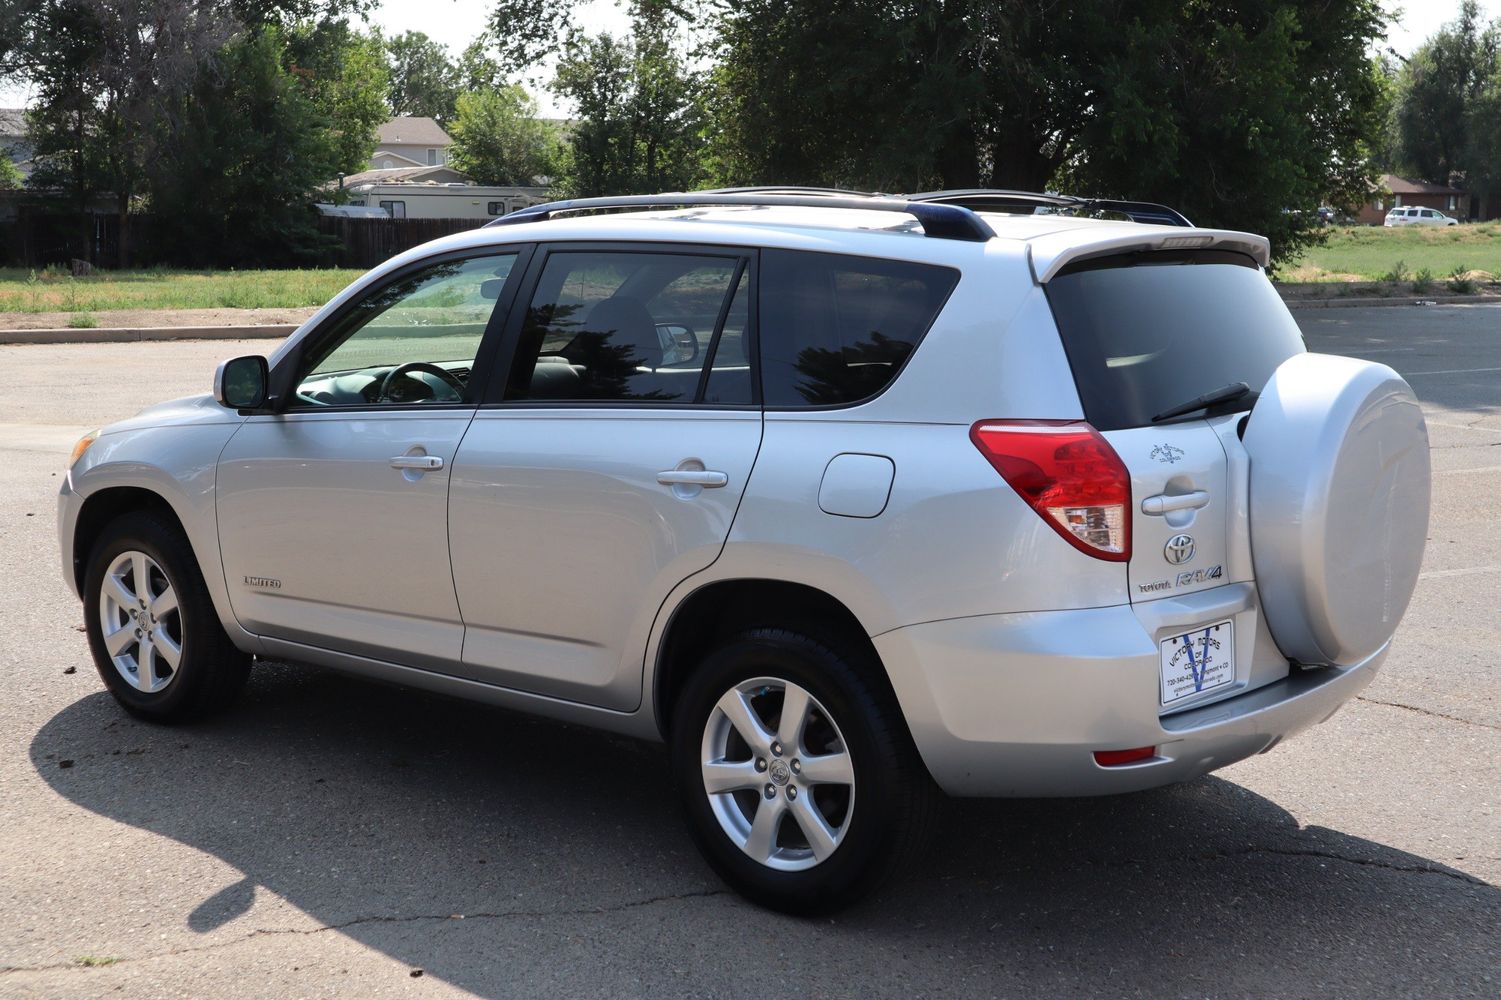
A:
(1443, 112)
(498, 139)
(424, 80)
(641, 116)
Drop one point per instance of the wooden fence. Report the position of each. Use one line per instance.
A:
(38, 238)
(367, 242)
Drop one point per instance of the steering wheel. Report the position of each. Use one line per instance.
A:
(447, 377)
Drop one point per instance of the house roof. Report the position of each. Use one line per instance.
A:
(408, 175)
(410, 131)
(1401, 185)
(12, 121)
(391, 154)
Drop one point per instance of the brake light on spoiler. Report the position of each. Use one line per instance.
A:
(1069, 474)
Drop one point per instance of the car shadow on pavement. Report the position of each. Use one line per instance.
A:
(387, 815)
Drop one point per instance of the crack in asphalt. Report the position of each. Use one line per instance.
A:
(1429, 712)
(358, 921)
(1288, 852)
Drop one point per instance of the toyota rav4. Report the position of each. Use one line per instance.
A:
(847, 498)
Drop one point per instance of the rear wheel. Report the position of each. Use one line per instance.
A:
(796, 772)
(153, 632)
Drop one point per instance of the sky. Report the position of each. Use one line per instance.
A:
(456, 22)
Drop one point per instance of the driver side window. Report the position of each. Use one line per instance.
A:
(411, 341)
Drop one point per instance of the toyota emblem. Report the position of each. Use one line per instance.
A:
(1179, 549)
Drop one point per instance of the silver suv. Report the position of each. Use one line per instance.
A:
(848, 499)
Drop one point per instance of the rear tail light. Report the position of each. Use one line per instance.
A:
(1071, 477)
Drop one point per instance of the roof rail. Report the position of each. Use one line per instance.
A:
(980, 199)
(943, 221)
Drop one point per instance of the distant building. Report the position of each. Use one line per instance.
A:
(1398, 192)
(438, 192)
(14, 144)
(410, 142)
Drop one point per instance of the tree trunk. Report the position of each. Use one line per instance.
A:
(959, 159)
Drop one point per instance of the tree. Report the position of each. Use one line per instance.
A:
(640, 113)
(1439, 115)
(1233, 114)
(236, 180)
(10, 176)
(344, 74)
(424, 80)
(498, 139)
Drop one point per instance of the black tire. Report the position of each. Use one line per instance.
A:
(894, 799)
(210, 670)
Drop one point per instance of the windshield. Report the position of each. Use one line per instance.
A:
(1146, 331)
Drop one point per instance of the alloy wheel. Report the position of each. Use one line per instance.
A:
(778, 774)
(140, 622)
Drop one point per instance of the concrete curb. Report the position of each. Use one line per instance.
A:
(1395, 300)
(122, 335)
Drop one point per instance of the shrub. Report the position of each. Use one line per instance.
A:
(1423, 281)
(1459, 282)
(1398, 274)
(82, 321)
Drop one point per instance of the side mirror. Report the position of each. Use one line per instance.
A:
(240, 383)
(679, 345)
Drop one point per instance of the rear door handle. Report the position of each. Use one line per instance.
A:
(706, 478)
(1163, 503)
(426, 463)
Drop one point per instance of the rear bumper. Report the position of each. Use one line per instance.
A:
(1016, 705)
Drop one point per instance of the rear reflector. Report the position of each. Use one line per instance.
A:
(1115, 758)
(1069, 474)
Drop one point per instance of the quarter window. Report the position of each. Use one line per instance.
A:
(412, 341)
(632, 326)
(835, 330)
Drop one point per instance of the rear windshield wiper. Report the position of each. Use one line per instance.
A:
(1224, 394)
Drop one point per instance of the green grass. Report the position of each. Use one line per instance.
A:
(96, 961)
(58, 291)
(1372, 253)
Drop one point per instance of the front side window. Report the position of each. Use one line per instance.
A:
(412, 341)
(835, 330)
(617, 326)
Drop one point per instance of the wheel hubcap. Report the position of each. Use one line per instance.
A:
(140, 622)
(778, 774)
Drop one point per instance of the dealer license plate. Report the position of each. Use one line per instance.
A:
(1197, 660)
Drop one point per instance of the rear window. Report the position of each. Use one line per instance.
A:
(835, 330)
(1147, 331)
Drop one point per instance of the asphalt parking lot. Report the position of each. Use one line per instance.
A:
(334, 837)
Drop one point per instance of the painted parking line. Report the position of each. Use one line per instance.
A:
(1454, 371)
(1464, 427)
(1455, 472)
(1435, 574)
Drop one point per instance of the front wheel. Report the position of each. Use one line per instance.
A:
(152, 628)
(795, 769)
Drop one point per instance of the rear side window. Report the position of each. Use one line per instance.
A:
(1145, 332)
(835, 330)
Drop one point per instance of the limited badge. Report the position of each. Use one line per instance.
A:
(1167, 453)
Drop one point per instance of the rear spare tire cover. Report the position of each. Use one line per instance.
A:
(1339, 504)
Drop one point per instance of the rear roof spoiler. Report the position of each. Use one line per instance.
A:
(1052, 252)
(995, 199)
(938, 220)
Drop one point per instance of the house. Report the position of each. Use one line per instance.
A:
(14, 144)
(410, 142)
(1398, 192)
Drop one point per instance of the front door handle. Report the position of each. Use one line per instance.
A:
(1163, 503)
(706, 478)
(424, 463)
